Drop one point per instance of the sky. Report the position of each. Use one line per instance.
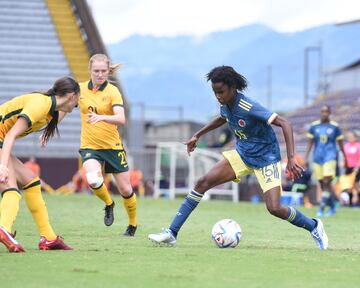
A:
(119, 19)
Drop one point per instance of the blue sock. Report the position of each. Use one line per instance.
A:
(296, 218)
(189, 204)
(324, 201)
(332, 202)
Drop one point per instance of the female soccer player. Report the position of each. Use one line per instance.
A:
(257, 151)
(102, 111)
(324, 134)
(19, 117)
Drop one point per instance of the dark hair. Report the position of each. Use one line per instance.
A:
(227, 75)
(327, 107)
(60, 88)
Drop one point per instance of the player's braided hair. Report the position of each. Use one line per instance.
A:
(228, 76)
(60, 88)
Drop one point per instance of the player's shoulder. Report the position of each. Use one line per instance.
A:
(334, 123)
(112, 88)
(315, 123)
(244, 102)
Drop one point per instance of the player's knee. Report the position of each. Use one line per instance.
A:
(274, 209)
(126, 191)
(94, 179)
(202, 184)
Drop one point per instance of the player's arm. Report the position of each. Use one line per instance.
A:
(19, 127)
(215, 123)
(294, 168)
(341, 146)
(117, 119)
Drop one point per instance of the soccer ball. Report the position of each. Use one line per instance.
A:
(226, 233)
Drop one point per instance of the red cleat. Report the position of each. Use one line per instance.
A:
(57, 244)
(8, 240)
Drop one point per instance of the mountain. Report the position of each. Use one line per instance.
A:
(171, 70)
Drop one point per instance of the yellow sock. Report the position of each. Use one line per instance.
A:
(37, 208)
(130, 206)
(9, 207)
(103, 193)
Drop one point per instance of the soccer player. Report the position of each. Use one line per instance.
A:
(257, 151)
(323, 134)
(102, 111)
(19, 117)
(352, 152)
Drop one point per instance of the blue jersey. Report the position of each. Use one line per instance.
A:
(325, 136)
(256, 142)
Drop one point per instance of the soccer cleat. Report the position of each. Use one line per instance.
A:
(319, 235)
(8, 240)
(330, 212)
(109, 214)
(130, 231)
(165, 237)
(57, 244)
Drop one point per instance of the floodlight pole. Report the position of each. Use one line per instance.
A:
(306, 69)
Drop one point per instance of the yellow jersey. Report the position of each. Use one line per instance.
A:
(100, 135)
(36, 108)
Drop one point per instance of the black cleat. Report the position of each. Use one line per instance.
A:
(109, 214)
(130, 231)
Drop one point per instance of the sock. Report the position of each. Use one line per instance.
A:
(9, 207)
(331, 202)
(130, 206)
(296, 218)
(324, 200)
(37, 208)
(103, 193)
(188, 205)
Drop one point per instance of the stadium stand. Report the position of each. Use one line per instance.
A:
(345, 107)
(42, 40)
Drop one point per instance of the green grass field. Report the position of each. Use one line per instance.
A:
(272, 253)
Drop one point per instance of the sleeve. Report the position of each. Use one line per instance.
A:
(258, 111)
(222, 113)
(116, 98)
(310, 133)
(338, 134)
(35, 110)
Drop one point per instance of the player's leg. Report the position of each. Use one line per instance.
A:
(95, 179)
(129, 199)
(324, 196)
(269, 178)
(9, 208)
(221, 173)
(328, 189)
(34, 201)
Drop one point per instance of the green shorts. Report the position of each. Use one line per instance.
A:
(114, 161)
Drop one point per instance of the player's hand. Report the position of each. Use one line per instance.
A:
(4, 174)
(294, 169)
(191, 144)
(94, 118)
(42, 142)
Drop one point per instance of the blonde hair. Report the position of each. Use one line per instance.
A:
(102, 57)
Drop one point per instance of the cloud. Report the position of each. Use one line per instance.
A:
(117, 20)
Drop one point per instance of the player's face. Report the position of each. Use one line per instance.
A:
(351, 137)
(325, 113)
(73, 99)
(99, 72)
(223, 93)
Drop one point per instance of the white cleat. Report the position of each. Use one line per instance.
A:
(165, 237)
(320, 236)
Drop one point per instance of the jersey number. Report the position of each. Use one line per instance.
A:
(240, 134)
(122, 156)
(323, 138)
(92, 109)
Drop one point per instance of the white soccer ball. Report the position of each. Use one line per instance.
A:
(226, 233)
